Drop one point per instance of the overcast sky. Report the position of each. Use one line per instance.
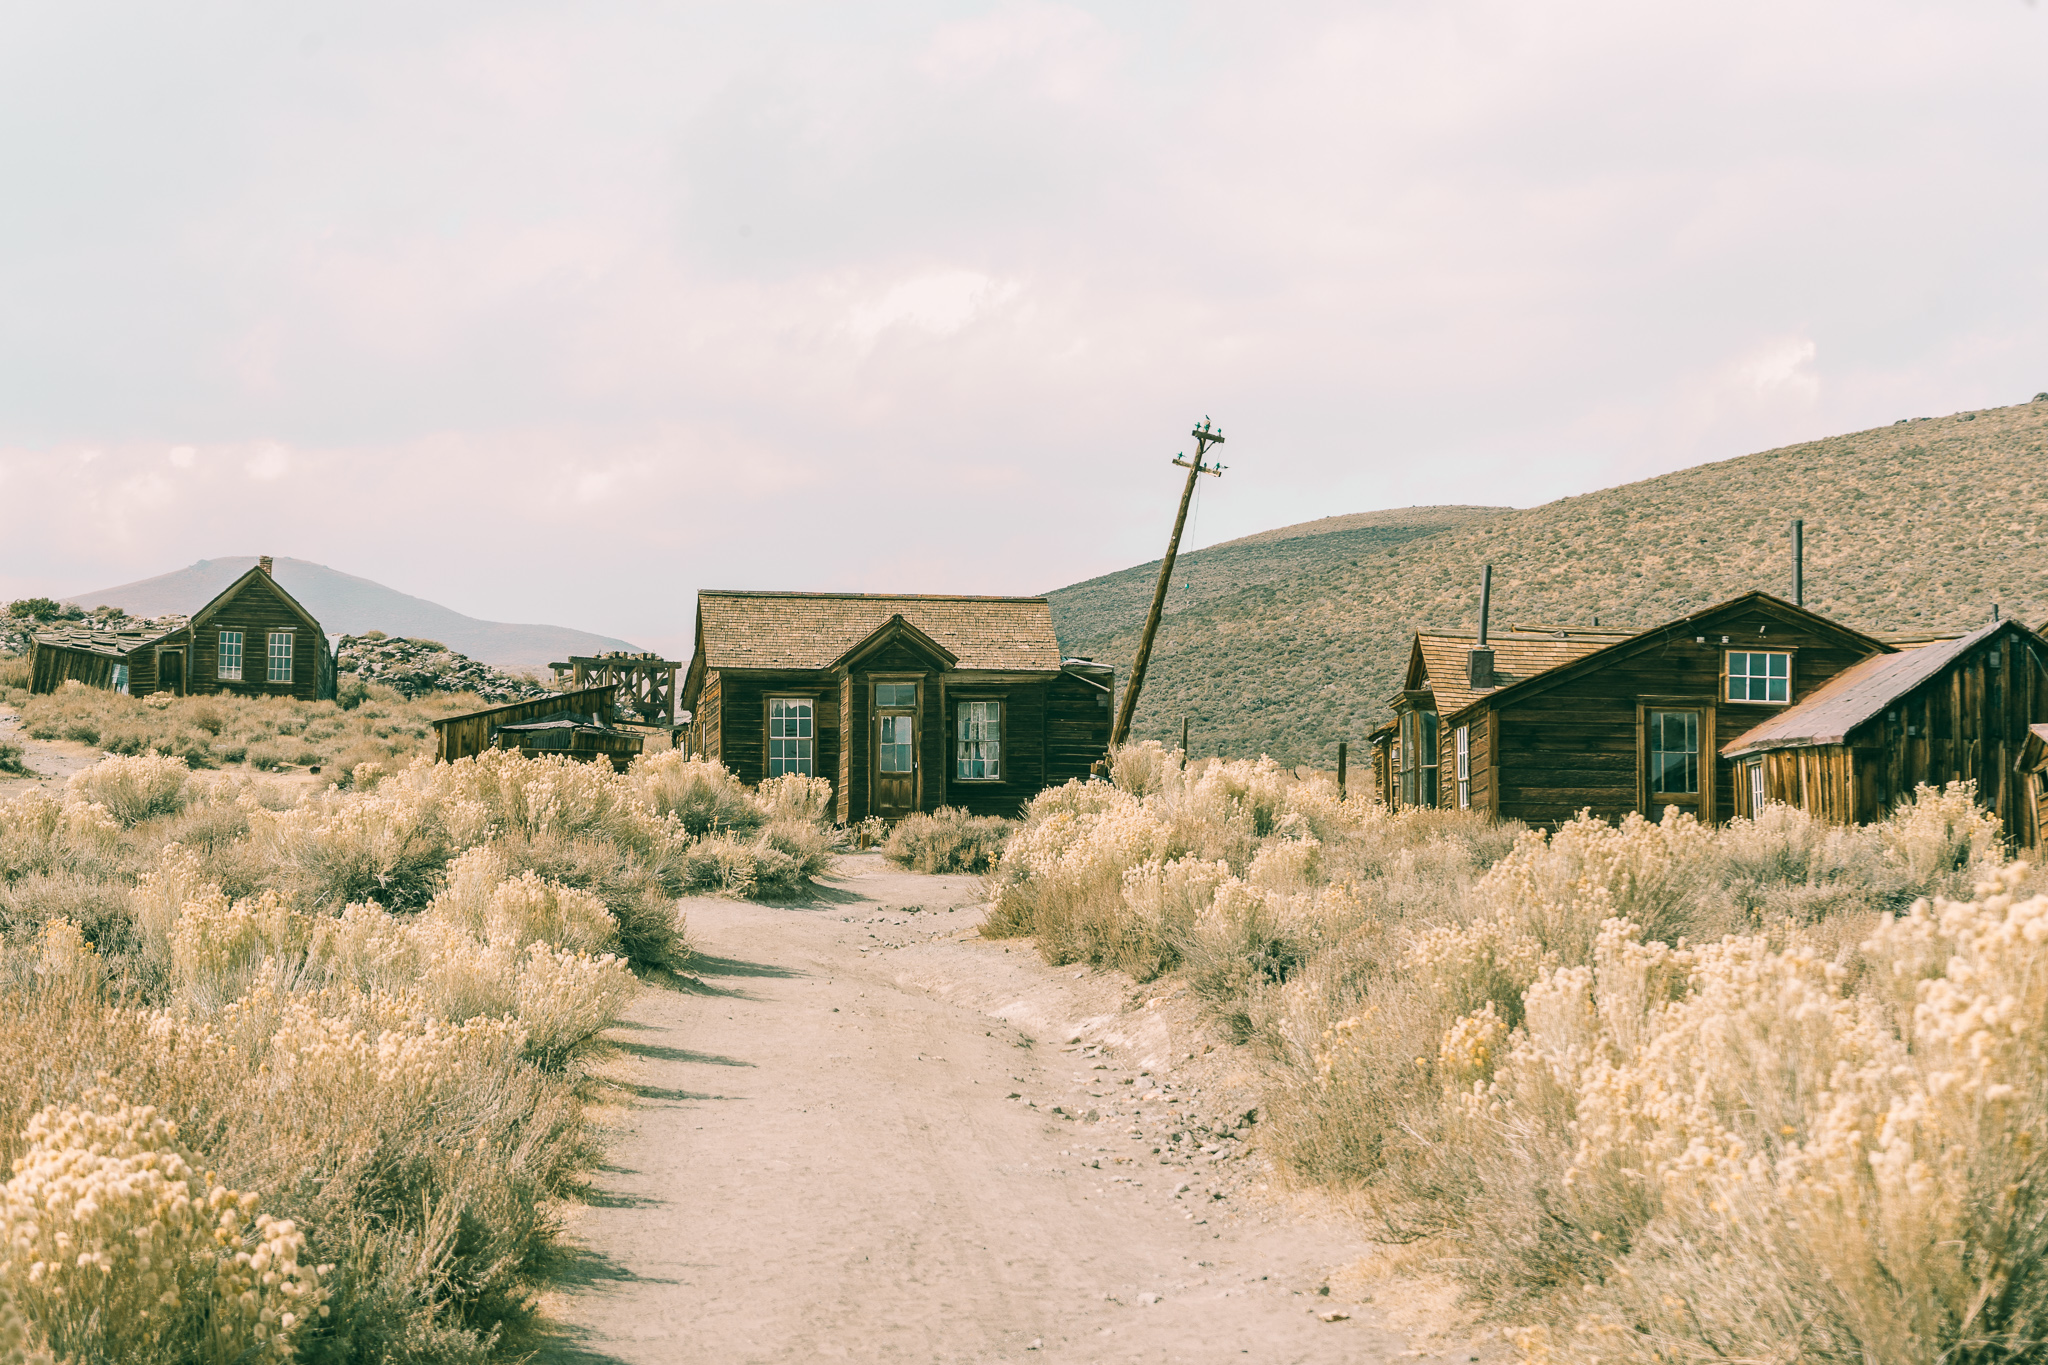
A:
(561, 312)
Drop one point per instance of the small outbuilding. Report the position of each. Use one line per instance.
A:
(906, 703)
(1947, 711)
(565, 724)
(94, 658)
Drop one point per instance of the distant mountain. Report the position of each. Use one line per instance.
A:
(347, 605)
(1289, 641)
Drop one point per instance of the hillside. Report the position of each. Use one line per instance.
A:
(347, 605)
(1289, 641)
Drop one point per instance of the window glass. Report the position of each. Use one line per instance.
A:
(1754, 675)
(895, 694)
(121, 679)
(280, 656)
(1674, 753)
(898, 744)
(228, 663)
(791, 744)
(979, 749)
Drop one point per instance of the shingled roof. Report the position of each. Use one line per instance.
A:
(1856, 695)
(813, 629)
(1445, 661)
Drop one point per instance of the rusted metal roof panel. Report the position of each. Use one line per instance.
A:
(1856, 695)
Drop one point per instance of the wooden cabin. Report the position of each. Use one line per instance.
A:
(95, 658)
(1541, 724)
(253, 640)
(1947, 711)
(2033, 773)
(573, 724)
(906, 703)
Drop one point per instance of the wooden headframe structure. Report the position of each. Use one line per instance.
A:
(646, 683)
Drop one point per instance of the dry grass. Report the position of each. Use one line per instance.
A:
(1663, 1092)
(948, 840)
(366, 1011)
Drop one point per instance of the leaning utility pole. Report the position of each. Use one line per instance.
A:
(1205, 436)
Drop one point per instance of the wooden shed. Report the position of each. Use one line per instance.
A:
(96, 658)
(253, 640)
(1948, 711)
(1537, 729)
(577, 724)
(907, 703)
(2033, 774)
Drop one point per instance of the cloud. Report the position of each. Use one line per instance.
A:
(1782, 367)
(940, 303)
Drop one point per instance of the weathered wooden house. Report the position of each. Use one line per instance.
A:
(1947, 711)
(566, 724)
(906, 703)
(252, 640)
(1537, 725)
(2033, 775)
(94, 658)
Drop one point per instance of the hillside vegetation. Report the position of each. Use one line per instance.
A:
(1287, 642)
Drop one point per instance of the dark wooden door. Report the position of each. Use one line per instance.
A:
(895, 763)
(170, 672)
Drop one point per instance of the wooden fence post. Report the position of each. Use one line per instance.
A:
(1183, 741)
(1342, 749)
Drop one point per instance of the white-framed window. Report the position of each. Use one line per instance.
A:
(792, 743)
(1674, 753)
(1756, 788)
(280, 657)
(1464, 733)
(979, 749)
(1759, 675)
(228, 662)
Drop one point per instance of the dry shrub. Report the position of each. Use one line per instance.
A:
(698, 793)
(948, 840)
(134, 789)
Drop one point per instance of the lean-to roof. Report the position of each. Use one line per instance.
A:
(812, 630)
(1857, 694)
(113, 644)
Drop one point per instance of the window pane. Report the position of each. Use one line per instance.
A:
(1779, 664)
(1674, 753)
(977, 751)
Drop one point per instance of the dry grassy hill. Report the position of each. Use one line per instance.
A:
(1289, 641)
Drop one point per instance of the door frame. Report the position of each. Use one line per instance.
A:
(1704, 808)
(184, 671)
(916, 712)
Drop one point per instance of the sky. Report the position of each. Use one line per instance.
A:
(562, 312)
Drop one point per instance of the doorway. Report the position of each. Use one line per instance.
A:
(170, 671)
(895, 749)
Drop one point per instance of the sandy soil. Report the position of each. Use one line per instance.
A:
(867, 1134)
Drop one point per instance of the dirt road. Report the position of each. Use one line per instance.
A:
(871, 1135)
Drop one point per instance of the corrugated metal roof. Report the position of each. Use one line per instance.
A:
(812, 630)
(1855, 695)
(1515, 657)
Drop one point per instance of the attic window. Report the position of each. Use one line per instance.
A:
(1758, 675)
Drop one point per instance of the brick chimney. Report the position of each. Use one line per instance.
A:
(263, 563)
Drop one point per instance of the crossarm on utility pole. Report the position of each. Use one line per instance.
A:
(1204, 438)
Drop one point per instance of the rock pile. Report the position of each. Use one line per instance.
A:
(415, 668)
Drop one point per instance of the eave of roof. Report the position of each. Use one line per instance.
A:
(1856, 695)
(1620, 648)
